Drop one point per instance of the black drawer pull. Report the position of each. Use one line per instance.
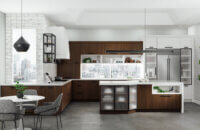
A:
(165, 96)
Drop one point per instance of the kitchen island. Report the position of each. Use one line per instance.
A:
(153, 96)
(49, 90)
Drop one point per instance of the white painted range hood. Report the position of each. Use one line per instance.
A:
(62, 41)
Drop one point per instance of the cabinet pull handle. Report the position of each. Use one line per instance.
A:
(165, 96)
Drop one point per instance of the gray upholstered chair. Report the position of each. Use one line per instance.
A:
(10, 112)
(30, 105)
(49, 109)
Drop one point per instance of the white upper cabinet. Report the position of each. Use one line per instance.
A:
(151, 42)
(186, 42)
(165, 42)
(62, 42)
(169, 41)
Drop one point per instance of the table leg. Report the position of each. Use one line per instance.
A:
(20, 121)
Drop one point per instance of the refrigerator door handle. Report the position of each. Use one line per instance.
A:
(168, 68)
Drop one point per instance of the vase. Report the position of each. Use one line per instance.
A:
(20, 95)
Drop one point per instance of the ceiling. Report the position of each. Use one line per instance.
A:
(110, 13)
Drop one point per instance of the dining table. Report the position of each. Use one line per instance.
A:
(20, 101)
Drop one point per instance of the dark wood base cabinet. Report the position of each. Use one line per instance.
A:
(157, 102)
(85, 90)
(49, 92)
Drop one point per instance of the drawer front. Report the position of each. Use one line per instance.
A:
(168, 102)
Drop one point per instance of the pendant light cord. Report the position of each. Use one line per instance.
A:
(21, 17)
(145, 25)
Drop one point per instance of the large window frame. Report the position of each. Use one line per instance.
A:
(24, 67)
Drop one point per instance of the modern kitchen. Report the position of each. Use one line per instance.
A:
(86, 65)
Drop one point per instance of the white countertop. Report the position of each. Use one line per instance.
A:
(101, 82)
(137, 82)
(42, 83)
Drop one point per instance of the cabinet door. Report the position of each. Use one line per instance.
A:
(144, 97)
(93, 91)
(92, 48)
(151, 63)
(85, 90)
(77, 91)
(167, 102)
(164, 42)
(7, 91)
(151, 42)
(186, 42)
(186, 66)
(75, 52)
(66, 90)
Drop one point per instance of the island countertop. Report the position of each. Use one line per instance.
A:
(137, 82)
(42, 83)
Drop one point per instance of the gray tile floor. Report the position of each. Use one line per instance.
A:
(85, 116)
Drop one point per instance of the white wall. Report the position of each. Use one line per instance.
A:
(136, 34)
(195, 32)
(2, 46)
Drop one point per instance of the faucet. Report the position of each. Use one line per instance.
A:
(49, 77)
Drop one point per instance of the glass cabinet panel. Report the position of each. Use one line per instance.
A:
(95, 71)
(186, 66)
(151, 63)
(107, 98)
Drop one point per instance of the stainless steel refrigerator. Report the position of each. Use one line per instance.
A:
(168, 64)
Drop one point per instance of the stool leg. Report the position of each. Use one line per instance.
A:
(41, 122)
(60, 121)
(15, 124)
(1, 125)
(57, 122)
(37, 122)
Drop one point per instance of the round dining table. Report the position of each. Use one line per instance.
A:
(20, 101)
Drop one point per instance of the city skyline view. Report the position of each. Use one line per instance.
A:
(24, 64)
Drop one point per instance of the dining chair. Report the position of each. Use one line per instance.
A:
(33, 104)
(49, 109)
(10, 112)
(30, 105)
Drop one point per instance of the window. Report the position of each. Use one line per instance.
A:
(24, 63)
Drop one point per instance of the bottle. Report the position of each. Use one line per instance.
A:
(146, 78)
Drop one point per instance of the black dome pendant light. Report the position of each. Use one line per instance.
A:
(21, 45)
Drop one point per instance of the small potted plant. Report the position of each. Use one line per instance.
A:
(20, 89)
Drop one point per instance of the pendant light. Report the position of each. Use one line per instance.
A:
(21, 45)
(145, 25)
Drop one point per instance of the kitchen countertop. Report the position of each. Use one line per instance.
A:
(137, 82)
(42, 83)
(102, 82)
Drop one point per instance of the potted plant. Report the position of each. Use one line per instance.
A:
(20, 89)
